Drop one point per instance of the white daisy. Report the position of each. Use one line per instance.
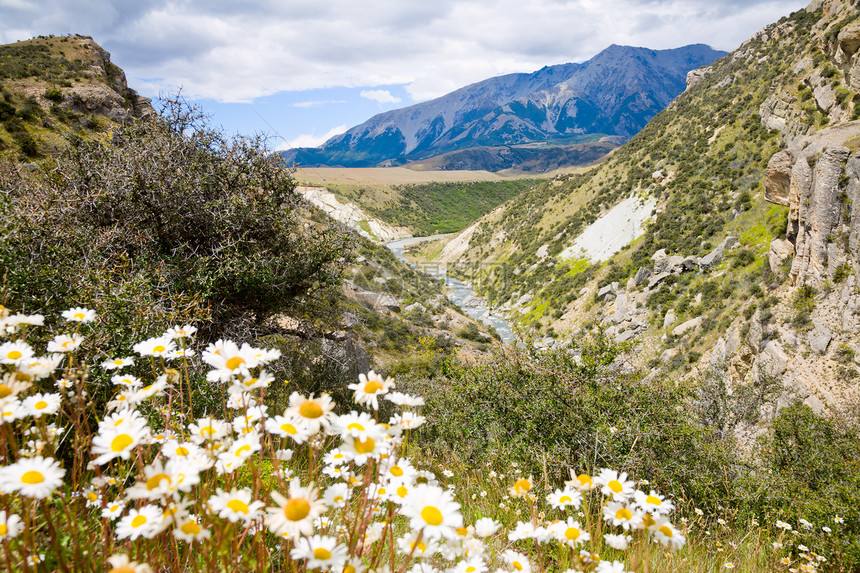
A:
(32, 477)
(39, 405)
(65, 343)
(10, 525)
(295, 515)
(236, 505)
(79, 314)
(144, 522)
(369, 387)
(434, 510)
(118, 363)
(321, 551)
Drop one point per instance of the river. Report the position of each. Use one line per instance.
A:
(459, 292)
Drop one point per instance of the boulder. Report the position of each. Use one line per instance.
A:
(669, 319)
(849, 40)
(657, 279)
(774, 359)
(780, 250)
(607, 292)
(690, 263)
(716, 256)
(625, 336)
(642, 275)
(819, 338)
(687, 326)
(668, 354)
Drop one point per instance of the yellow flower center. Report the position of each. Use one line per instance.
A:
(289, 428)
(121, 442)
(297, 509)
(402, 491)
(138, 521)
(117, 362)
(310, 409)
(250, 381)
(584, 479)
(470, 569)
(3, 530)
(32, 477)
(156, 480)
(5, 390)
(517, 565)
(159, 348)
(431, 515)
(243, 449)
(67, 343)
(123, 569)
(615, 486)
(237, 506)
(235, 362)
(396, 471)
(522, 485)
(14, 355)
(653, 500)
(666, 530)
(79, 316)
(624, 514)
(349, 569)
(372, 387)
(355, 426)
(565, 499)
(364, 446)
(322, 554)
(208, 430)
(191, 528)
(182, 451)
(41, 405)
(647, 520)
(92, 496)
(571, 533)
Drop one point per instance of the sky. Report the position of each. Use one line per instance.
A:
(303, 71)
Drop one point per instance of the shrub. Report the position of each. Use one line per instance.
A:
(171, 221)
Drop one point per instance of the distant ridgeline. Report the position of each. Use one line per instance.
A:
(614, 94)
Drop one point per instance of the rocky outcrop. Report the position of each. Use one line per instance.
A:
(776, 185)
(821, 178)
(129, 104)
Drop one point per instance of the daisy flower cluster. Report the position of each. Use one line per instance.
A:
(147, 480)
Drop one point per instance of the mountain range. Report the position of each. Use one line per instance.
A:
(615, 93)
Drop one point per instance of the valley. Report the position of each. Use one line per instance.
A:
(603, 317)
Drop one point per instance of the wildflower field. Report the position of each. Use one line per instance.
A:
(170, 457)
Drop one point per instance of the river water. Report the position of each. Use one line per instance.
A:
(459, 292)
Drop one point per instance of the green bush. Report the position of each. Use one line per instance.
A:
(557, 409)
(171, 221)
(813, 473)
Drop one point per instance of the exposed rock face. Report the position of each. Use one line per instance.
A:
(114, 99)
(695, 76)
(778, 178)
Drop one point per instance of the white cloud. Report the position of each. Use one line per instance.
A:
(311, 139)
(317, 103)
(238, 51)
(379, 96)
